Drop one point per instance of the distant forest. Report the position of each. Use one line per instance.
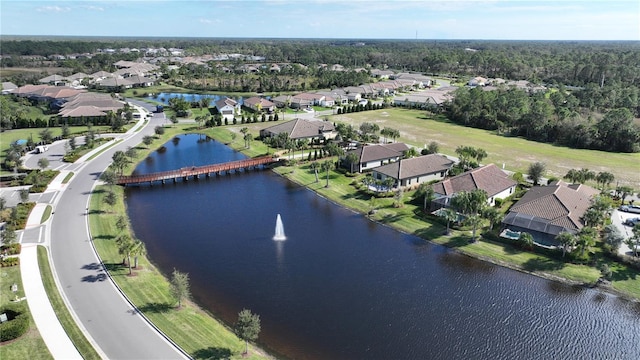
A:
(599, 81)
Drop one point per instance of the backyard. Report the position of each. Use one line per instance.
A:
(418, 129)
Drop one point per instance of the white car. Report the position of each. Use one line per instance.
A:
(308, 110)
(630, 209)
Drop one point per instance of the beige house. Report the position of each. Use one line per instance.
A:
(260, 104)
(546, 211)
(372, 156)
(495, 182)
(302, 129)
(414, 171)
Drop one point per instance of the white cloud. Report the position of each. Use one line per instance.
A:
(53, 9)
(93, 8)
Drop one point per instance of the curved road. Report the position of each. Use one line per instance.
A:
(110, 321)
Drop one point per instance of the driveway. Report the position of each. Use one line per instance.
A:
(618, 218)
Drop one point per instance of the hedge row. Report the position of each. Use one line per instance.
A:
(17, 324)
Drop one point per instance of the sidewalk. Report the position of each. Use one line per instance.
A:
(54, 336)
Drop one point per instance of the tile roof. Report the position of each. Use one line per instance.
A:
(414, 167)
(369, 153)
(300, 128)
(226, 102)
(558, 204)
(254, 101)
(488, 178)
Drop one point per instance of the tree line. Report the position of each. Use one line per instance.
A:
(563, 117)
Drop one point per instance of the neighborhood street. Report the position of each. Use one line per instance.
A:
(109, 320)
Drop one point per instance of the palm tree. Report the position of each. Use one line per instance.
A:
(573, 176)
(449, 215)
(138, 249)
(315, 166)
(352, 159)
(327, 165)
(586, 238)
(426, 192)
(493, 215)
(125, 245)
(567, 240)
(605, 178)
(474, 221)
(526, 240)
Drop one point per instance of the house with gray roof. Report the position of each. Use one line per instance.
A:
(372, 156)
(302, 129)
(414, 171)
(495, 182)
(546, 211)
(228, 108)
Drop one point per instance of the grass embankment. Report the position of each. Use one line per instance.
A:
(410, 219)
(30, 345)
(59, 307)
(193, 329)
(417, 129)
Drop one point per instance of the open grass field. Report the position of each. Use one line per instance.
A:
(418, 129)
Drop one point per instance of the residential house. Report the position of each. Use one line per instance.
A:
(228, 108)
(281, 101)
(314, 130)
(495, 182)
(381, 74)
(478, 81)
(546, 211)
(372, 156)
(314, 99)
(259, 104)
(89, 104)
(414, 171)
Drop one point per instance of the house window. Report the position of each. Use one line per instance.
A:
(442, 174)
(510, 190)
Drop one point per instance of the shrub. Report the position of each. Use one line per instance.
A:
(10, 261)
(13, 249)
(17, 324)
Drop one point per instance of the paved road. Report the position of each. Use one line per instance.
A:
(108, 318)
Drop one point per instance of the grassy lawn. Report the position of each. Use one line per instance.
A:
(204, 337)
(30, 345)
(409, 219)
(10, 136)
(62, 313)
(418, 129)
(46, 214)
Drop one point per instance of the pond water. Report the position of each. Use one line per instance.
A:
(343, 287)
(164, 97)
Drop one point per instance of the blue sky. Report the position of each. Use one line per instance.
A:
(350, 19)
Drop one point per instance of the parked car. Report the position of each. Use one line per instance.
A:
(630, 208)
(632, 221)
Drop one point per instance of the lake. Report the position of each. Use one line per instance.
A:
(343, 287)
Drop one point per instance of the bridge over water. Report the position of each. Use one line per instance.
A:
(196, 171)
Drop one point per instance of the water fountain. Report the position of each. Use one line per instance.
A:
(279, 235)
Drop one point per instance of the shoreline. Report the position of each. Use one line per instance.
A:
(559, 279)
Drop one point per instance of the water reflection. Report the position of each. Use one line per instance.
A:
(346, 288)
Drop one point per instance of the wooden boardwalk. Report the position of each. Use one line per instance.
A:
(195, 171)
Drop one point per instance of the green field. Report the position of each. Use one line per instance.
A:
(418, 129)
